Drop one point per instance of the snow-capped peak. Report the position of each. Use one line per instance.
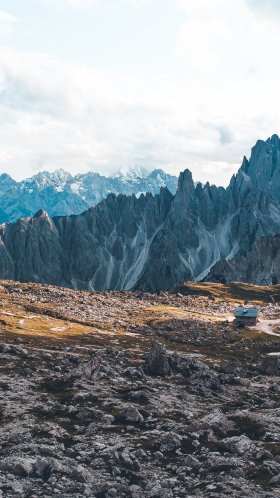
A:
(43, 179)
(132, 172)
(60, 176)
(59, 193)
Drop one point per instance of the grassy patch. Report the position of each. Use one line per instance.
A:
(232, 292)
(166, 312)
(256, 335)
(19, 323)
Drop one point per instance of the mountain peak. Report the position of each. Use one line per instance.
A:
(132, 172)
(41, 214)
(60, 175)
(245, 165)
(7, 179)
(185, 180)
(274, 140)
(46, 178)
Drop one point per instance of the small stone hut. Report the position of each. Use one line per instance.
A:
(246, 316)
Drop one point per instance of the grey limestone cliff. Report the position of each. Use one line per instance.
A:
(154, 242)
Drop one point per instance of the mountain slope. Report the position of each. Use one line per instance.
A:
(154, 242)
(253, 200)
(61, 194)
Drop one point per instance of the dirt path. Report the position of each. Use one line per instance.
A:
(266, 326)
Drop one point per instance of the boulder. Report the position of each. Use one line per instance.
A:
(157, 361)
(134, 373)
(170, 442)
(238, 445)
(217, 421)
(131, 415)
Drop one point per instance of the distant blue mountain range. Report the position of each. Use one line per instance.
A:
(60, 193)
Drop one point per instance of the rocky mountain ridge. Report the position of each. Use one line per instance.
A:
(61, 194)
(154, 242)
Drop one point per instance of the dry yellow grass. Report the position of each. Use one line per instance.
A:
(43, 320)
(39, 325)
(39, 322)
(234, 292)
(17, 321)
(168, 312)
(51, 317)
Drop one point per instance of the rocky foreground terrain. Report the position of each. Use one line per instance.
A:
(135, 395)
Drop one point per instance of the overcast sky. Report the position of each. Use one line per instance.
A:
(104, 84)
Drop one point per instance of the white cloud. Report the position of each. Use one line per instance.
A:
(61, 115)
(265, 7)
(91, 4)
(204, 113)
(7, 24)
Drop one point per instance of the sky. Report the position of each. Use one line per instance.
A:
(106, 84)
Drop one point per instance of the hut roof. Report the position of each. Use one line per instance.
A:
(246, 312)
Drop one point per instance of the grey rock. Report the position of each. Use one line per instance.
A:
(128, 460)
(220, 463)
(192, 462)
(170, 442)
(108, 419)
(238, 444)
(81, 474)
(275, 480)
(131, 414)
(134, 373)
(45, 467)
(218, 421)
(157, 361)
(160, 492)
(13, 349)
(21, 467)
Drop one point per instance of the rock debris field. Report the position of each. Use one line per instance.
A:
(134, 395)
